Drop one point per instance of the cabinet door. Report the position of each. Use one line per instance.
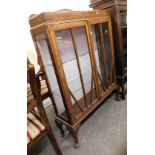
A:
(103, 55)
(74, 52)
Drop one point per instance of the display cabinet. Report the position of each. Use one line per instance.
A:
(77, 55)
(118, 11)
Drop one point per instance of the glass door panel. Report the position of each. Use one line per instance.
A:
(107, 47)
(99, 57)
(49, 69)
(70, 66)
(85, 63)
(74, 53)
(65, 45)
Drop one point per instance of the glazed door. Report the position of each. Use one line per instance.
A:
(44, 51)
(101, 38)
(74, 51)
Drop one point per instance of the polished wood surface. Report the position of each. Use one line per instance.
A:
(46, 25)
(59, 17)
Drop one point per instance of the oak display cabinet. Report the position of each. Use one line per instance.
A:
(77, 55)
(118, 12)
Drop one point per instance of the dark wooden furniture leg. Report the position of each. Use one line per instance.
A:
(117, 94)
(60, 127)
(74, 133)
(123, 91)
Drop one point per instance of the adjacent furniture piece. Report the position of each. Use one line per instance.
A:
(118, 11)
(45, 91)
(37, 123)
(76, 52)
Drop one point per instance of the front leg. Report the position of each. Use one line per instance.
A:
(74, 133)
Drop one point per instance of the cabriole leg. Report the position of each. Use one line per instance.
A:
(74, 133)
(76, 140)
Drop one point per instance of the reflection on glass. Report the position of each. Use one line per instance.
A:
(99, 56)
(67, 54)
(107, 48)
(73, 49)
(65, 45)
(85, 64)
(49, 69)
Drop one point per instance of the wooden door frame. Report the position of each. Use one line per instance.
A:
(100, 20)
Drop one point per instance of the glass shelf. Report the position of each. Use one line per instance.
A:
(75, 84)
(73, 57)
(65, 43)
(74, 53)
